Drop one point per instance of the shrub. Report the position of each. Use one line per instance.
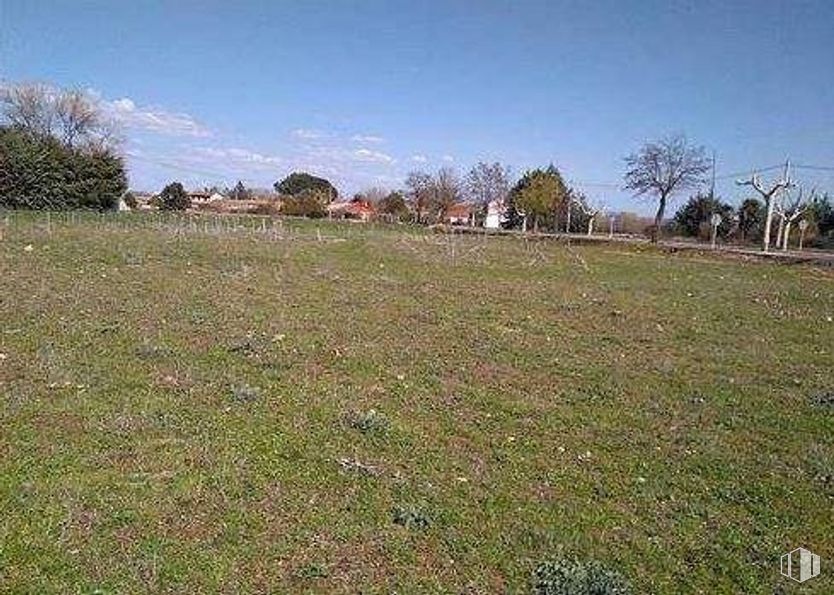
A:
(411, 517)
(309, 203)
(370, 422)
(43, 173)
(568, 576)
(174, 198)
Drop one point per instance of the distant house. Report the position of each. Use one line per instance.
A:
(496, 211)
(459, 214)
(359, 210)
(201, 198)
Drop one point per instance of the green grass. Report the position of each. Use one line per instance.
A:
(345, 408)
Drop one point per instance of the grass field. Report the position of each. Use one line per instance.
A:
(345, 408)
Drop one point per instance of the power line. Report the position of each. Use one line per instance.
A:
(817, 167)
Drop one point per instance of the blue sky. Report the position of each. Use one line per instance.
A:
(363, 92)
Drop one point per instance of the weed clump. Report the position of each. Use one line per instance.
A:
(245, 393)
(823, 400)
(568, 576)
(371, 422)
(411, 517)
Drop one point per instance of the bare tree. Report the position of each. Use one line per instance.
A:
(592, 211)
(76, 116)
(29, 107)
(421, 189)
(71, 116)
(488, 182)
(447, 191)
(790, 212)
(768, 195)
(664, 167)
(374, 194)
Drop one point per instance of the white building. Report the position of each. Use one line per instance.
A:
(496, 211)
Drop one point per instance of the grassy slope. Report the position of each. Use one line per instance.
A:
(650, 411)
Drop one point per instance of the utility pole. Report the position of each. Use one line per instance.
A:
(769, 196)
(712, 183)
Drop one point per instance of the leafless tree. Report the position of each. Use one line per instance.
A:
(488, 182)
(592, 210)
(29, 107)
(71, 116)
(76, 115)
(374, 194)
(664, 167)
(447, 191)
(769, 196)
(421, 187)
(790, 212)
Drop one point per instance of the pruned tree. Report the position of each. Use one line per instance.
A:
(790, 211)
(664, 167)
(591, 211)
(769, 196)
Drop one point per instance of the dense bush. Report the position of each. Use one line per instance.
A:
(299, 182)
(567, 576)
(694, 217)
(174, 198)
(40, 172)
(310, 203)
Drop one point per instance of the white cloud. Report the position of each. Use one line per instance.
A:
(369, 156)
(238, 158)
(126, 112)
(307, 134)
(419, 158)
(448, 159)
(367, 138)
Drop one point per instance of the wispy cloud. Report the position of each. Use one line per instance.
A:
(307, 134)
(367, 138)
(419, 158)
(370, 156)
(448, 159)
(237, 157)
(157, 120)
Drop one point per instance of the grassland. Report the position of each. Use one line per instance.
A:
(194, 409)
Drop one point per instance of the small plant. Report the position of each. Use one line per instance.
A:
(371, 422)
(568, 576)
(313, 570)
(411, 517)
(151, 351)
(823, 400)
(245, 393)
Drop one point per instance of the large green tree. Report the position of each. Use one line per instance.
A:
(539, 196)
(298, 182)
(751, 215)
(42, 172)
(174, 198)
(694, 217)
(57, 151)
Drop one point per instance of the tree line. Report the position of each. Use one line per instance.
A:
(58, 150)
